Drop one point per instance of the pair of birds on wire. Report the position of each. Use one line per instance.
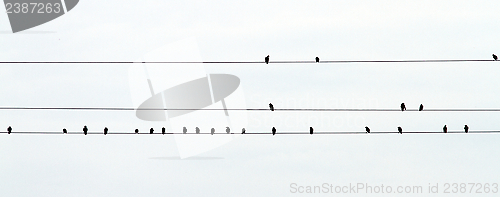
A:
(403, 107)
(266, 59)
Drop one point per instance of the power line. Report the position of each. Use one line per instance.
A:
(240, 109)
(256, 133)
(249, 62)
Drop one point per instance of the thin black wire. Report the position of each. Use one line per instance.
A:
(239, 109)
(248, 62)
(251, 133)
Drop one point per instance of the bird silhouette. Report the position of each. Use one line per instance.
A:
(271, 107)
(495, 57)
(65, 131)
(105, 130)
(367, 130)
(317, 59)
(400, 130)
(85, 129)
(466, 128)
(184, 130)
(311, 130)
(403, 107)
(445, 129)
(274, 131)
(267, 59)
(243, 131)
(197, 130)
(137, 131)
(421, 107)
(228, 130)
(9, 130)
(212, 131)
(151, 131)
(163, 130)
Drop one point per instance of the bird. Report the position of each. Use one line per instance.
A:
(267, 59)
(228, 130)
(163, 130)
(466, 128)
(9, 130)
(85, 129)
(243, 131)
(212, 131)
(151, 131)
(403, 107)
(495, 57)
(367, 130)
(311, 130)
(445, 129)
(184, 130)
(400, 130)
(271, 107)
(274, 131)
(137, 131)
(105, 130)
(65, 131)
(197, 130)
(317, 59)
(421, 107)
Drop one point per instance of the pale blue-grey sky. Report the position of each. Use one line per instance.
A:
(94, 165)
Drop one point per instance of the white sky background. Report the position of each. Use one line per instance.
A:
(36, 165)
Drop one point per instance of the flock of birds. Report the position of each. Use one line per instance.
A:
(271, 107)
(228, 130)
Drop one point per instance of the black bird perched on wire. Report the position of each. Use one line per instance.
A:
(495, 57)
(212, 131)
(271, 107)
(243, 131)
(137, 131)
(267, 59)
(65, 131)
(163, 130)
(400, 130)
(228, 130)
(421, 107)
(184, 130)
(85, 129)
(367, 130)
(151, 131)
(311, 130)
(197, 130)
(9, 130)
(317, 59)
(466, 128)
(403, 107)
(445, 129)
(274, 131)
(105, 130)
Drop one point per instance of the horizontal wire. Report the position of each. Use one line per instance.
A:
(256, 133)
(239, 109)
(247, 62)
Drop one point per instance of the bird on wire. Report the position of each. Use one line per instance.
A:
(271, 106)
(267, 59)
(85, 129)
(445, 129)
(274, 131)
(367, 130)
(105, 130)
(317, 59)
(421, 107)
(466, 128)
(400, 130)
(403, 107)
